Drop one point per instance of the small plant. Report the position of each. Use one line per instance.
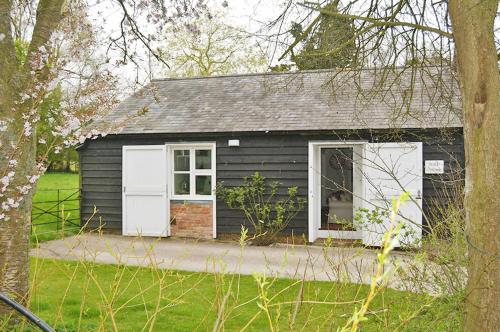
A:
(382, 274)
(376, 216)
(267, 214)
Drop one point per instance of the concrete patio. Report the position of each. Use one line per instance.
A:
(287, 261)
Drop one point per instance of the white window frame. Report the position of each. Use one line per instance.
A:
(193, 172)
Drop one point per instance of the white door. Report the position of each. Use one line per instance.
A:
(144, 188)
(389, 170)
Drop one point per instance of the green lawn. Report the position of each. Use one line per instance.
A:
(49, 187)
(189, 301)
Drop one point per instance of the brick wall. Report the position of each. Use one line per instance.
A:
(191, 219)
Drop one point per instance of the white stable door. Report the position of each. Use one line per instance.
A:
(389, 170)
(144, 188)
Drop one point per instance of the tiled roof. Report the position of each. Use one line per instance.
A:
(309, 100)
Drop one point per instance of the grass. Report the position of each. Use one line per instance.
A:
(86, 296)
(45, 198)
(76, 296)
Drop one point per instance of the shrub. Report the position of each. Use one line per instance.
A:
(267, 214)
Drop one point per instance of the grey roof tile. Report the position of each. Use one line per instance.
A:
(309, 100)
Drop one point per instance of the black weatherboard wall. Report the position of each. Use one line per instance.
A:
(278, 156)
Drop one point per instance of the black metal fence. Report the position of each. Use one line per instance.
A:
(55, 209)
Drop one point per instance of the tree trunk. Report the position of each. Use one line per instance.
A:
(15, 232)
(473, 22)
(14, 249)
(16, 78)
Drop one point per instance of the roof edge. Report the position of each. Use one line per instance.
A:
(296, 72)
(294, 131)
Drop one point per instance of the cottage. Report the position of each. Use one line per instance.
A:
(347, 140)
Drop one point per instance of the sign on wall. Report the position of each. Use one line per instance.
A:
(434, 166)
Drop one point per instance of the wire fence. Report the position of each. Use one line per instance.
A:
(55, 209)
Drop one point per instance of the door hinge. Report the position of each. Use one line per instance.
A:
(124, 188)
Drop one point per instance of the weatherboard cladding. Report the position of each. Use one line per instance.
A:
(309, 100)
(282, 157)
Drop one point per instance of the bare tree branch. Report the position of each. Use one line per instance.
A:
(382, 22)
(138, 33)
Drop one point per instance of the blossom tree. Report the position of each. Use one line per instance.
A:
(60, 51)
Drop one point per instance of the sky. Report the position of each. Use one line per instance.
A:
(250, 15)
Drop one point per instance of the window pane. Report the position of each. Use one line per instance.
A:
(203, 159)
(181, 184)
(181, 160)
(203, 185)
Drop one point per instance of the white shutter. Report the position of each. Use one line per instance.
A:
(144, 187)
(389, 169)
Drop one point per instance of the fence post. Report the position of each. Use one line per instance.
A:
(58, 211)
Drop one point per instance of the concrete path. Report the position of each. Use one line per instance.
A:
(309, 262)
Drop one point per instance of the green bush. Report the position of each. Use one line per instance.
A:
(258, 201)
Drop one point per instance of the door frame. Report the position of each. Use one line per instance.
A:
(314, 193)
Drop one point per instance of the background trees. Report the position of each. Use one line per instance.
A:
(329, 43)
(208, 46)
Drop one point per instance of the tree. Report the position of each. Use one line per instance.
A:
(473, 33)
(323, 47)
(209, 47)
(392, 34)
(51, 114)
(60, 44)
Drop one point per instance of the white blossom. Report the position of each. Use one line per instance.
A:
(33, 178)
(24, 189)
(24, 97)
(11, 202)
(27, 128)
(5, 180)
